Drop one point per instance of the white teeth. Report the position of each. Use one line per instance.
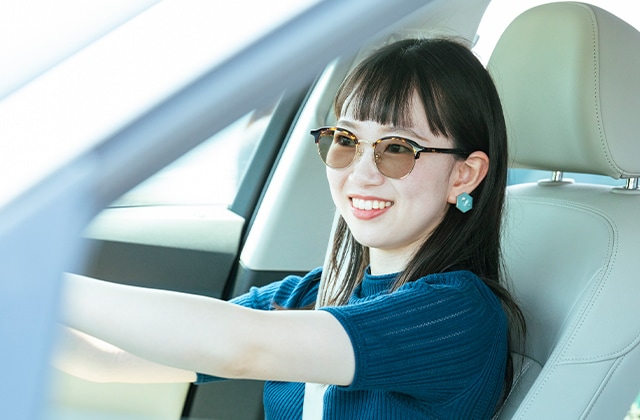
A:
(370, 204)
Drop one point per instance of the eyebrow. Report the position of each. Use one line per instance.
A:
(402, 131)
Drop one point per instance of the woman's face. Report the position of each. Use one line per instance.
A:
(393, 216)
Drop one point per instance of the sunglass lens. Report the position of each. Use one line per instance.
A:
(394, 157)
(336, 148)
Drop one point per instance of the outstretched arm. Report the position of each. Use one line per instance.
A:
(200, 334)
(88, 358)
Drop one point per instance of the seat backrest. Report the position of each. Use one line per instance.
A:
(569, 78)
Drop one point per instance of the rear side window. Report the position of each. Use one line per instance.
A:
(210, 174)
(521, 176)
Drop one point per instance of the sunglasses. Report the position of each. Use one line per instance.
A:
(394, 156)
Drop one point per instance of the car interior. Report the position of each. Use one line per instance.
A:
(571, 247)
(567, 73)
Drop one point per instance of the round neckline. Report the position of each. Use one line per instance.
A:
(373, 284)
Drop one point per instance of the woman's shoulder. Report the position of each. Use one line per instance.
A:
(454, 280)
(458, 278)
(462, 286)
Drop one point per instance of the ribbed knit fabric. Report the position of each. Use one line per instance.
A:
(434, 349)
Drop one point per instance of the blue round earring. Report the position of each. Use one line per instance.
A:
(464, 202)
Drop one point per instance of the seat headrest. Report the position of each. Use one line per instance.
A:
(569, 78)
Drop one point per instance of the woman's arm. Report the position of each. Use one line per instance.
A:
(201, 334)
(95, 360)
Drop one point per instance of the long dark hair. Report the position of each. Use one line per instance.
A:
(461, 103)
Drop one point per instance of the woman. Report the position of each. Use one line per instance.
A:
(413, 320)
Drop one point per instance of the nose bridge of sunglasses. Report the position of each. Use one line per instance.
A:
(368, 145)
(366, 156)
(360, 159)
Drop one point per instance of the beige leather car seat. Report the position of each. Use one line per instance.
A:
(569, 78)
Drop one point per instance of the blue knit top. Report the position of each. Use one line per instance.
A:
(436, 348)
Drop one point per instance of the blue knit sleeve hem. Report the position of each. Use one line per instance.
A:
(290, 292)
(205, 379)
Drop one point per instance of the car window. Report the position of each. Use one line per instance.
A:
(521, 176)
(634, 411)
(101, 75)
(211, 173)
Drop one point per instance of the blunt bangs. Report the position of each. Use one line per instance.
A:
(382, 89)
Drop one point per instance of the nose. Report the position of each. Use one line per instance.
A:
(364, 166)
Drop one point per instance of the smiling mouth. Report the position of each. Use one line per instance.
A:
(361, 204)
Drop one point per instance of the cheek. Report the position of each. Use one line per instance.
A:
(332, 178)
(336, 180)
(430, 185)
(426, 208)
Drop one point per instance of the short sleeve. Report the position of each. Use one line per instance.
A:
(428, 338)
(291, 292)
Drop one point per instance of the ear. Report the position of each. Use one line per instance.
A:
(468, 174)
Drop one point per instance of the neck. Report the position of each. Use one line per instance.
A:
(387, 262)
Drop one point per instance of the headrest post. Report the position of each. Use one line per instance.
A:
(557, 176)
(631, 187)
(632, 184)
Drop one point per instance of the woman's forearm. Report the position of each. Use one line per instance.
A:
(189, 332)
(88, 358)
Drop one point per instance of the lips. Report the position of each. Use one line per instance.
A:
(369, 208)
